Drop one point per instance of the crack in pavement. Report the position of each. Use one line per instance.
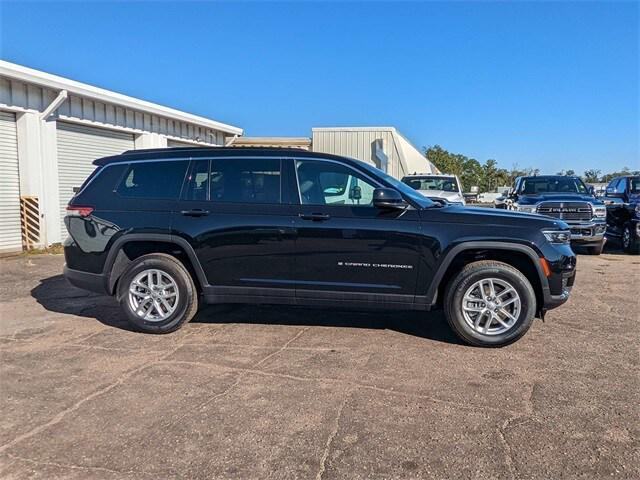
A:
(60, 415)
(501, 429)
(75, 467)
(332, 435)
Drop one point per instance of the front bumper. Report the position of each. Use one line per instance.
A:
(587, 233)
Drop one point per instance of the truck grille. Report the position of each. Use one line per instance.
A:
(571, 211)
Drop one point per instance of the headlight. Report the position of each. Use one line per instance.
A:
(558, 236)
(600, 212)
(527, 208)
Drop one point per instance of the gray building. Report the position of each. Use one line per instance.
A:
(383, 147)
(52, 128)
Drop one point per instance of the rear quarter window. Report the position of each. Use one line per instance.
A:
(162, 180)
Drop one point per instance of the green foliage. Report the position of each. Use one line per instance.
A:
(489, 176)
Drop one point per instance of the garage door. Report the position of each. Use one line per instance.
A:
(78, 147)
(10, 237)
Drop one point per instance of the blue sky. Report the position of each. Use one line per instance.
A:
(549, 85)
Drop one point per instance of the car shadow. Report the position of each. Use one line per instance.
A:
(55, 294)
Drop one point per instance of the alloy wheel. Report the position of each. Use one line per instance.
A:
(153, 295)
(491, 306)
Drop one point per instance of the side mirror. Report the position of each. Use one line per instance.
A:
(388, 198)
(592, 191)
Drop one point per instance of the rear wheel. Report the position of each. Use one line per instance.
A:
(157, 294)
(630, 242)
(489, 304)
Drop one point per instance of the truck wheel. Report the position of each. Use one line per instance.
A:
(157, 294)
(489, 304)
(597, 250)
(630, 242)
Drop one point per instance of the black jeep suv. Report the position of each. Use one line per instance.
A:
(165, 229)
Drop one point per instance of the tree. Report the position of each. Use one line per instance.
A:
(591, 176)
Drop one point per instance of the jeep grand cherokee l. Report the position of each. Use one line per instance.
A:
(165, 229)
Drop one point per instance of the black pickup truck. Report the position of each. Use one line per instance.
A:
(563, 197)
(622, 198)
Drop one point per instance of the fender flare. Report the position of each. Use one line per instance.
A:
(117, 261)
(431, 296)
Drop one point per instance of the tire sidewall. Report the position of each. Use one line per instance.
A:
(185, 294)
(527, 306)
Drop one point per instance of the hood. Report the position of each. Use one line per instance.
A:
(498, 217)
(450, 196)
(557, 197)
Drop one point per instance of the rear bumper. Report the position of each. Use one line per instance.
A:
(94, 282)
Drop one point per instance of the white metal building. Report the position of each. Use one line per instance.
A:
(52, 128)
(383, 147)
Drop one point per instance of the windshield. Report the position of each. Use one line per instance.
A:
(538, 185)
(409, 192)
(445, 184)
(634, 184)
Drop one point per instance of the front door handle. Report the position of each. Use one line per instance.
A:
(316, 217)
(196, 212)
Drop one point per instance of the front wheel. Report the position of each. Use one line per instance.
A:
(157, 294)
(489, 304)
(630, 242)
(596, 250)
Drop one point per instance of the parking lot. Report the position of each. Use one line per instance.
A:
(278, 392)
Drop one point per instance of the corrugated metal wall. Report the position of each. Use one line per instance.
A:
(78, 147)
(10, 233)
(19, 94)
(360, 144)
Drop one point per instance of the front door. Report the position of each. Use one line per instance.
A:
(347, 249)
(235, 214)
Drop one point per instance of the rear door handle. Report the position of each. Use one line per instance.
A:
(316, 217)
(196, 212)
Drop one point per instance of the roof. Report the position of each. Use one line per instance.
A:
(55, 82)
(199, 152)
(268, 141)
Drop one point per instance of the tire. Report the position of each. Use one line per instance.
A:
(597, 250)
(175, 310)
(630, 242)
(501, 274)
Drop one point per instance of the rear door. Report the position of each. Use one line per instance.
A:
(238, 218)
(348, 250)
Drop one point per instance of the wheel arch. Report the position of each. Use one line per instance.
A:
(522, 257)
(128, 247)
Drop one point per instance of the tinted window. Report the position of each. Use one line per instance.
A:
(328, 183)
(153, 179)
(197, 184)
(622, 185)
(447, 184)
(238, 180)
(634, 185)
(537, 185)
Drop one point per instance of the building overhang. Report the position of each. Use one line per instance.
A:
(54, 82)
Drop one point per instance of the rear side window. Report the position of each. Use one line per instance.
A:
(240, 180)
(161, 180)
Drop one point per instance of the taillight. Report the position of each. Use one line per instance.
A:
(79, 211)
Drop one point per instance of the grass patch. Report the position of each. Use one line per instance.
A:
(54, 249)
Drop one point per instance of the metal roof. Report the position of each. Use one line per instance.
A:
(29, 75)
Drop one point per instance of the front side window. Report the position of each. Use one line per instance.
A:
(240, 180)
(197, 184)
(160, 180)
(634, 185)
(329, 183)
